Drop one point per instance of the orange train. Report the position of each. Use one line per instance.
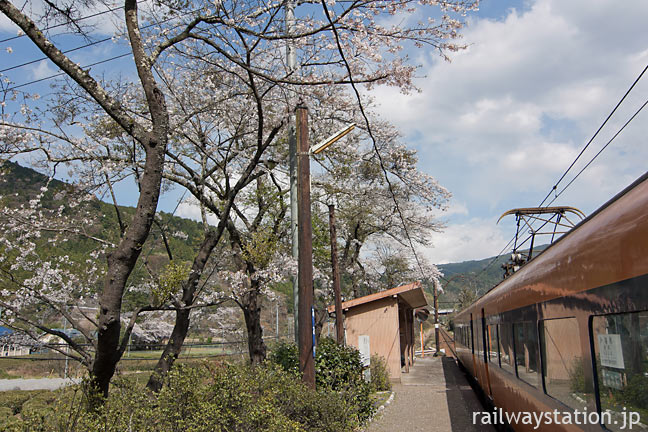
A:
(562, 344)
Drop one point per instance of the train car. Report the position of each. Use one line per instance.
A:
(562, 344)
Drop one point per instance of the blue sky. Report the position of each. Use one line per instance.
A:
(500, 123)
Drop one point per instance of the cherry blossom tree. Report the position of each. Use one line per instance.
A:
(388, 207)
(37, 282)
(235, 44)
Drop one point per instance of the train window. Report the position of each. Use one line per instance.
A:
(621, 350)
(506, 347)
(479, 340)
(459, 334)
(526, 360)
(491, 343)
(472, 336)
(563, 370)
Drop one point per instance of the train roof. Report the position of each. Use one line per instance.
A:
(521, 274)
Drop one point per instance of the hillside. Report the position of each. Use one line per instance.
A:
(19, 184)
(477, 275)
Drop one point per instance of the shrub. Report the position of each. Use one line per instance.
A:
(337, 368)
(15, 399)
(577, 381)
(286, 355)
(207, 398)
(7, 419)
(379, 374)
(634, 394)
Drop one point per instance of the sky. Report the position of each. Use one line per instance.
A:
(501, 122)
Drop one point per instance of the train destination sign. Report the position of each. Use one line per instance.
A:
(610, 350)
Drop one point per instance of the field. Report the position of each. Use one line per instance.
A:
(54, 365)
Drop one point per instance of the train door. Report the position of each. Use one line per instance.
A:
(486, 331)
(472, 347)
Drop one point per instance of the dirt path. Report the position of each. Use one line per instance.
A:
(35, 383)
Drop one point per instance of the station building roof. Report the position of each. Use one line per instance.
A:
(411, 293)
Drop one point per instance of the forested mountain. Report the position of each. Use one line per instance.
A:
(18, 185)
(477, 276)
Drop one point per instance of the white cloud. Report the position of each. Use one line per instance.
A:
(471, 240)
(7, 26)
(501, 122)
(190, 209)
(42, 69)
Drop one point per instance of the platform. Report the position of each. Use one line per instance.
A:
(433, 396)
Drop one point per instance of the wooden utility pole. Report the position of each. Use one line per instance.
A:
(291, 61)
(436, 319)
(339, 325)
(305, 260)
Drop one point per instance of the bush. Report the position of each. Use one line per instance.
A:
(199, 399)
(337, 368)
(286, 355)
(379, 374)
(634, 394)
(7, 419)
(577, 381)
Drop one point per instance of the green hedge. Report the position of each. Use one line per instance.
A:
(206, 398)
(337, 368)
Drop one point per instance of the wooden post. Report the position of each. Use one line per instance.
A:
(408, 331)
(422, 346)
(339, 325)
(305, 260)
(436, 319)
(411, 335)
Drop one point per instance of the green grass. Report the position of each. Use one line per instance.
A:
(42, 365)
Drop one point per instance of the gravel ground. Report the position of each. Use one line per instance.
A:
(434, 396)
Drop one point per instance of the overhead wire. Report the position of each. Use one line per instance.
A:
(63, 73)
(373, 138)
(81, 47)
(600, 151)
(64, 24)
(554, 188)
(64, 52)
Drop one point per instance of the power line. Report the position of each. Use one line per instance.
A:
(553, 189)
(86, 46)
(600, 151)
(64, 52)
(64, 24)
(373, 138)
(63, 73)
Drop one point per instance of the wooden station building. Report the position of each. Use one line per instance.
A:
(383, 324)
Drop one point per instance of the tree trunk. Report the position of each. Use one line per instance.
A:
(171, 351)
(122, 260)
(320, 319)
(120, 264)
(252, 314)
(181, 326)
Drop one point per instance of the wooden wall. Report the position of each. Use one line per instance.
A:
(378, 320)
